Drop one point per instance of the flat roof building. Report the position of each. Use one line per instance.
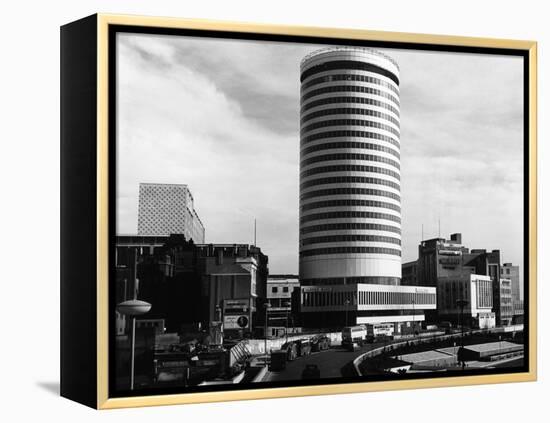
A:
(166, 209)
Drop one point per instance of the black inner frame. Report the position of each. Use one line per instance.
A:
(113, 30)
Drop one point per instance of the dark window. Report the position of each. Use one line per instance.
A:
(350, 100)
(350, 180)
(349, 191)
(350, 77)
(349, 168)
(349, 88)
(349, 214)
(350, 238)
(347, 203)
(347, 65)
(350, 250)
(350, 226)
(348, 134)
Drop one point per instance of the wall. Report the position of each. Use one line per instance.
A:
(30, 178)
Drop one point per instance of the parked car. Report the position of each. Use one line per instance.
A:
(291, 350)
(303, 346)
(320, 343)
(311, 371)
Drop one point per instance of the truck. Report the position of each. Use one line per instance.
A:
(378, 331)
(354, 336)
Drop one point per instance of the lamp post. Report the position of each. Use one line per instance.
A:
(288, 305)
(414, 332)
(266, 306)
(133, 308)
(461, 302)
(347, 303)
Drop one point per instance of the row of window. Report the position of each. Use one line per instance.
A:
(346, 99)
(350, 111)
(338, 298)
(350, 226)
(350, 238)
(376, 280)
(349, 191)
(348, 203)
(350, 122)
(350, 156)
(350, 180)
(350, 168)
(347, 133)
(350, 250)
(275, 289)
(349, 89)
(348, 77)
(350, 144)
(348, 65)
(350, 214)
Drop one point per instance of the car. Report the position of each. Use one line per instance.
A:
(320, 343)
(311, 371)
(291, 350)
(303, 346)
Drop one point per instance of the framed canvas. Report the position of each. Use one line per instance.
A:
(256, 211)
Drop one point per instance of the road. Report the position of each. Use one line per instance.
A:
(333, 363)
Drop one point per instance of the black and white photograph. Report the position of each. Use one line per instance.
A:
(292, 213)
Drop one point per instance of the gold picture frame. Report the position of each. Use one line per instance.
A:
(99, 397)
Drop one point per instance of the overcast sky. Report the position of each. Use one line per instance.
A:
(223, 117)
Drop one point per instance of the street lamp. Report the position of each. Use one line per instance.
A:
(133, 308)
(462, 303)
(288, 306)
(414, 333)
(347, 303)
(266, 306)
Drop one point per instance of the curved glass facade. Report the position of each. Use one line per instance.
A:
(350, 201)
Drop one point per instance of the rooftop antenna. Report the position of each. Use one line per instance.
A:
(422, 239)
(254, 232)
(439, 227)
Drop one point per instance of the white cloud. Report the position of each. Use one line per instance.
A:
(222, 117)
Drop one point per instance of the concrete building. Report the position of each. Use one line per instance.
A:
(166, 209)
(350, 193)
(350, 202)
(280, 289)
(439, 257)
(233, 276)
(353, 304)
(193, 285)
(509, 271)
(409, 273)
(477, 290)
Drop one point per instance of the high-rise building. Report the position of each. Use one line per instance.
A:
(166, 209)
(350, 201)
(350, 194)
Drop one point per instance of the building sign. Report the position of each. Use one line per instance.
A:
(236, 322)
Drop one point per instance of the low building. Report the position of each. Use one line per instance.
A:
(354, 304)
(492, 350)
(429, 359)
(279, 296)
(509, 271)
(477, 293)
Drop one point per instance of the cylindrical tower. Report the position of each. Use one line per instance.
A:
(350, 201)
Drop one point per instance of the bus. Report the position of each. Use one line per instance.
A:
(353, 336)
(379, 331)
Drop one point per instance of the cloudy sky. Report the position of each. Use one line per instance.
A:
(223, 117)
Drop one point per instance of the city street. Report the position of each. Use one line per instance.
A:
(332, 363)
